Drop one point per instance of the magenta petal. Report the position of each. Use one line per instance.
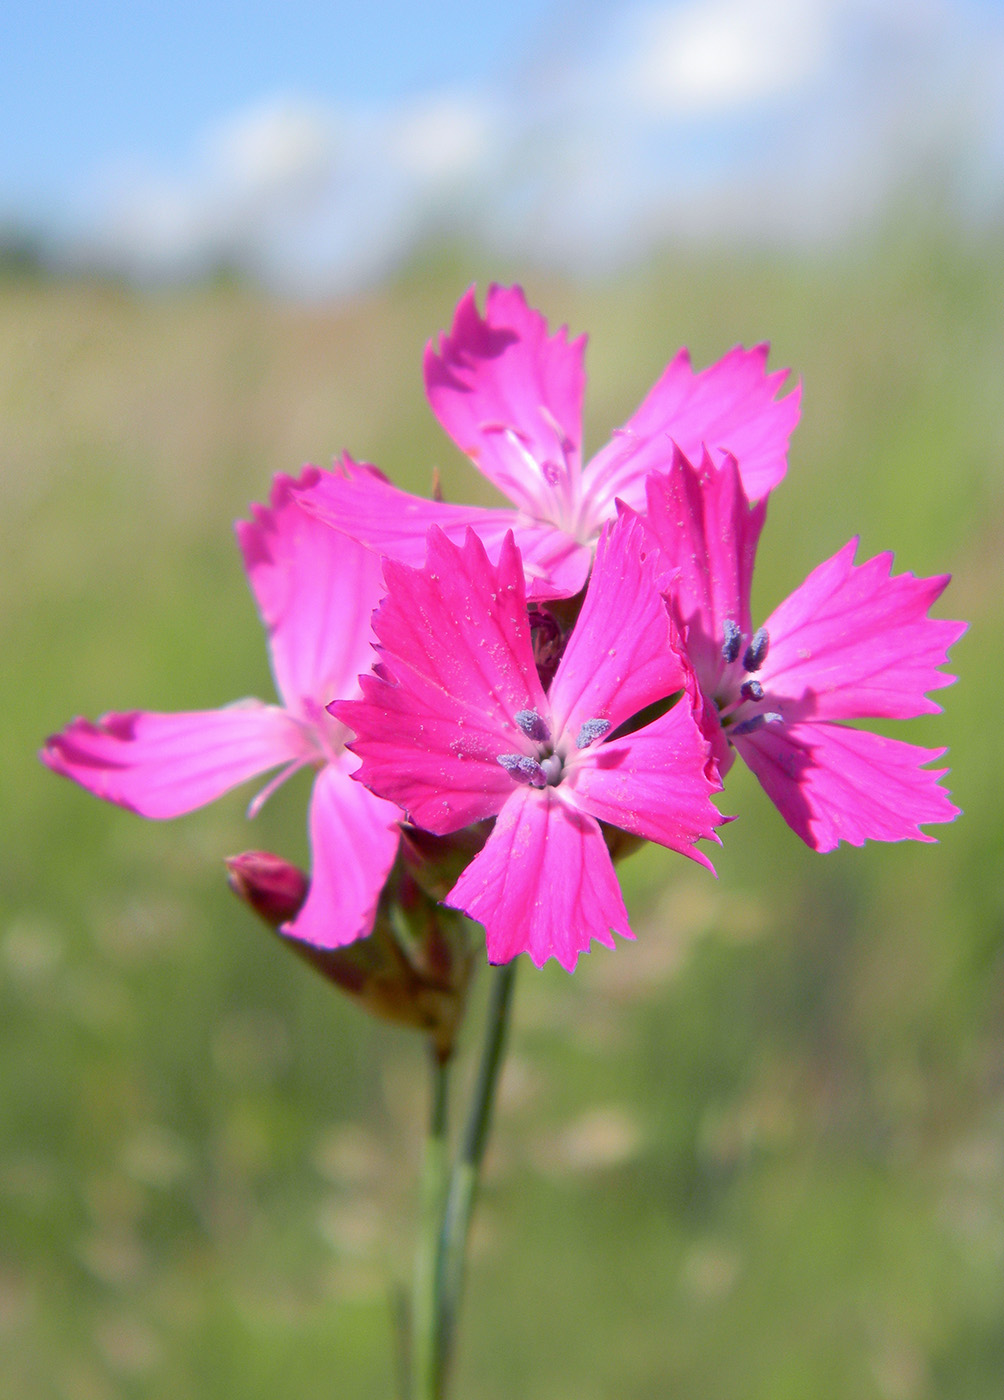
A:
(653, 783)
(833, 784)
(620, 656)
(510, 396)
(162, 765)
(854, 642)
(731, 407)
(316, 591)
(544, 884)
(358, 500)
(456, 667)
(708, 538)
(353, 840)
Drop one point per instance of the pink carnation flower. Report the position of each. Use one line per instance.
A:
(852, 642)
(510, 395)
(315, 591)
(454, 726)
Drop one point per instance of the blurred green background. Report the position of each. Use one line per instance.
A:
(757, 1154)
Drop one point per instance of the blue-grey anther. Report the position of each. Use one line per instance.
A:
(590, 730)
(523, 767)
(733, 641)
(751, 690)
(532, 725)
(756, 653)
(750, 726)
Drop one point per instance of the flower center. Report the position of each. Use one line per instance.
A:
(751, 691)
(548, 767)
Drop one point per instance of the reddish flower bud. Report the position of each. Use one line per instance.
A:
(412, 969)
(273, 888)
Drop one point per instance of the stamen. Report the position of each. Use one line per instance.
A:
(751, 690)
(273, 784)
(733, 640)
(566, 442)
(750, 726)
(756, 653)
(590, 730)
(523, 768)
(533, 726)
(495, 425)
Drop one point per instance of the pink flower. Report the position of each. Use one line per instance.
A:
(315, 592)
(510, 395)
(853, 642)
(454, 726)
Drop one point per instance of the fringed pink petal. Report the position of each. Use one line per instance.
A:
(456, 666)
(316, 591)
(834, 784)
(544, 884)
(620, 656)
(707, 535)
(510, 396)
(656, 783)
(855, 642)
(732, 407)
(359, 501)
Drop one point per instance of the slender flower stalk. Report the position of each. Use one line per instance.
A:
(466, 1175)
(425, 1368)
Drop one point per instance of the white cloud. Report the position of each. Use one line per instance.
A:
(726, 119)
(710, 55)
(443, 137)
(282, 147)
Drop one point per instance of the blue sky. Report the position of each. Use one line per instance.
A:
(87, 84)
(315, 143)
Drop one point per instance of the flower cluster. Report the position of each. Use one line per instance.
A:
(499, 702)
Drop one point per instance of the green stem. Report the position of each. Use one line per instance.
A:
(466, 1173)
(425, 1311)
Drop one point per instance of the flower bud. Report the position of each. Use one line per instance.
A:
(273, 888)
(412, 969)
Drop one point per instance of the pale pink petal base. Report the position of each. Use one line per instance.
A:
(543, 884)
(834, 784)
(353, 841)
(163, 765)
